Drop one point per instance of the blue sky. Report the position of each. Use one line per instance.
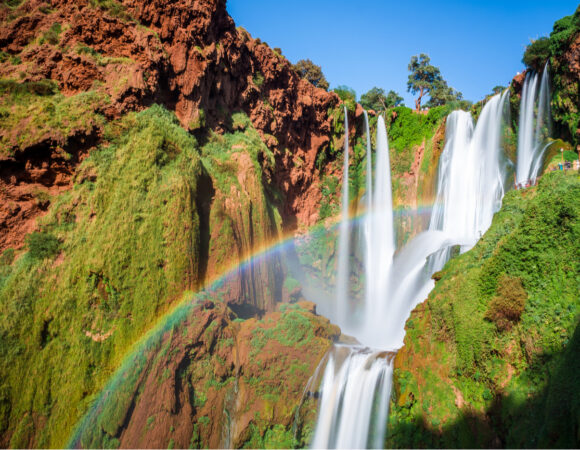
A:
(477, 45)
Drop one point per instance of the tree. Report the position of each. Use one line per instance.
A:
(311, 72)
(537, 53)
(393, 99)
(498, 89)
(441, 94)
(377, 100)
(347, 95)
(423, 76)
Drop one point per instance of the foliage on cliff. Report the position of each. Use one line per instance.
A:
(113, 253)
(206, 379)
(561, 50)
(489, 359)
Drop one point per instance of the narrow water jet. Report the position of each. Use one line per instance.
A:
(342, 284)
(381, 237)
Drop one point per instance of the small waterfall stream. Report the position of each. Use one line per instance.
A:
(356, 382)
(342, 285)
(534, 125)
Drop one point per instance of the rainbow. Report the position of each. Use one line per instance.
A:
(136, 357)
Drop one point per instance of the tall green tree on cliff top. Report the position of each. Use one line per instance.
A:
(377, 100)
(423, 77)
(313, 73)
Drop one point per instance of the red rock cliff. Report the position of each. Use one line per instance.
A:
(186, 55)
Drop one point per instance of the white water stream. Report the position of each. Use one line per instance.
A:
(534, 125)
(343, 239)
(356, 382)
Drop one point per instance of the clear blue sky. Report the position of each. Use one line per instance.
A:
(361, 44)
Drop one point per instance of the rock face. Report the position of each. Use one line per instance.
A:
(205, 383)
(186, 55)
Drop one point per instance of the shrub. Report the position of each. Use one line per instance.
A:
(564, 30)
(42, 87)
(258, 79)
(507, 306)
(42, 245)
(113, 7)
(311, 72)
(52, 36)
(347, 95)
(537, 53)
(7, 257)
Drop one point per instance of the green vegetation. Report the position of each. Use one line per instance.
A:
(312, 73)
(52, 35)
(348, 96)
(12, 3)
(293, 329)
(507, 306)
(42, 245)
(113, 7)
(427, 79)
(101, 60)
(537, 53)
(34, 111)
(17, 90)
(329, 205)
(377, 100)
(407, 129)
(66, 324)
(490, 355)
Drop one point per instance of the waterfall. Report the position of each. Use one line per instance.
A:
(369, 206)
(356, 385)
(534, 125)
(342, 284)
(356, 382)
(471, 177)
(381, 238)
(369, 163)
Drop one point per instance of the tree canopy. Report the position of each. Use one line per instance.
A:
(498, 89)
(422, 78)
(347, 95)
(537, 53)
(426, 79)
(441, 94)
(377, 100)
(311, 72)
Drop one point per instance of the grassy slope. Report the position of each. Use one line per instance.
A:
(460, 379)
(131, 238)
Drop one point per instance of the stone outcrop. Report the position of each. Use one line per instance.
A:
(188, 56)
(204, 384)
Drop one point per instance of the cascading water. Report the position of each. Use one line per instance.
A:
(472, 175)
(534, 125)
(356, 376)
(356, 384)
(381, 236)
(342, 284)
(355, 379)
